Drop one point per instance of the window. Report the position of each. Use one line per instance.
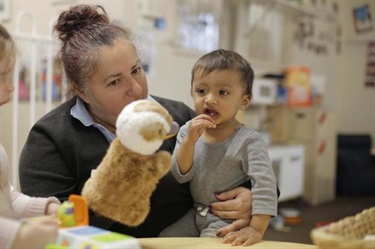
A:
(198, 27)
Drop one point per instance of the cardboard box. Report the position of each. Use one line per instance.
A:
(297, 82)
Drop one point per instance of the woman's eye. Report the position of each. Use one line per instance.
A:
(114, 82)
(136, 71)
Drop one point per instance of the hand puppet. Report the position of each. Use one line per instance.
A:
(121, 187)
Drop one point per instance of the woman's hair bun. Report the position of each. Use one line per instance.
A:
(79, 17)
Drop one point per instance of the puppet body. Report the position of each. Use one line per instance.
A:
(121, 187)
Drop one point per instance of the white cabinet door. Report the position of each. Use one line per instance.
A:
(288, 164)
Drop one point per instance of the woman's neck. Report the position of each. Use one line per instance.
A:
(110, 127)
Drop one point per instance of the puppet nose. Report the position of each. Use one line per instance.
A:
(173, 131)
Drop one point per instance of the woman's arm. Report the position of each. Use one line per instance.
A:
(59, 155)
(235, 204)
(43, 170)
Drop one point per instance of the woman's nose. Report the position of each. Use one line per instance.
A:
(135, 89)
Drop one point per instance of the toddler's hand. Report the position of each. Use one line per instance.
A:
(246, 236)
(52, 208)
(197, 126)
(37, 233)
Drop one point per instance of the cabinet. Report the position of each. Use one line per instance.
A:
(314, 128)
(288, 165)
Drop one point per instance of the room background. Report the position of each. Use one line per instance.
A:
(340, 55)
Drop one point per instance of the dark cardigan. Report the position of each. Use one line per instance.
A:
(60, 153)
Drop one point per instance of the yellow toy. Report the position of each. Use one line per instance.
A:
(73, 212)
(65, 214)
(122, 185)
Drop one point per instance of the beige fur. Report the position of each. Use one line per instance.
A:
(121, 187)
(123, 183)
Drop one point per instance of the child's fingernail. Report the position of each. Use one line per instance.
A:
(217, 193)
(218, 233)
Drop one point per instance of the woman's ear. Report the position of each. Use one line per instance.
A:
(245, 102)
(82, 94)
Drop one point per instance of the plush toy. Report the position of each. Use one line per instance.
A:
(121, 187)
(65, 213)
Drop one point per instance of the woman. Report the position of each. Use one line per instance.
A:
(105, 74)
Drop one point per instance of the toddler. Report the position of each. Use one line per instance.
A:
(14, 205)
(215, 152)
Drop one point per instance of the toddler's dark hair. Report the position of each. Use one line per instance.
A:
(225, 59)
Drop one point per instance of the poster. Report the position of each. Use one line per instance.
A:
(362, 19)
(370, 66)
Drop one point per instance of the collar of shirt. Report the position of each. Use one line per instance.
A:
(80, 112)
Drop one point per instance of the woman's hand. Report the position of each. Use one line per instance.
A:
(234, 204)
(37, 233)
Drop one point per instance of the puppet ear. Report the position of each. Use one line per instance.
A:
(245, 102)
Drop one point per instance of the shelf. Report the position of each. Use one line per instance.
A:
(307, 10)
(298, 8)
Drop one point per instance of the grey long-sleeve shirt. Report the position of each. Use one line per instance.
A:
(223, 166)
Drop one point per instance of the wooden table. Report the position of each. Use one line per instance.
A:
(214, 243)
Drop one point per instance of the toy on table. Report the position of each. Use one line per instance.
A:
(65, 214)
(73, 212)
(76, 233)
(123, 182)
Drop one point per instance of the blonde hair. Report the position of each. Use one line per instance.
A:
(8, 51)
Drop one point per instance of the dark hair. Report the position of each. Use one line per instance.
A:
(225, 59)
(83, 30)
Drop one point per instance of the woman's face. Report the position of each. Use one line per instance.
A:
(118, 81)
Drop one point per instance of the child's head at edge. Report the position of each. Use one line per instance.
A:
(8, 54)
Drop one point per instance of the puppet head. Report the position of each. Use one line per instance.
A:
(143, 125)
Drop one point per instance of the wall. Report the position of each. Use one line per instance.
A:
(346, 94)
(355, 102)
